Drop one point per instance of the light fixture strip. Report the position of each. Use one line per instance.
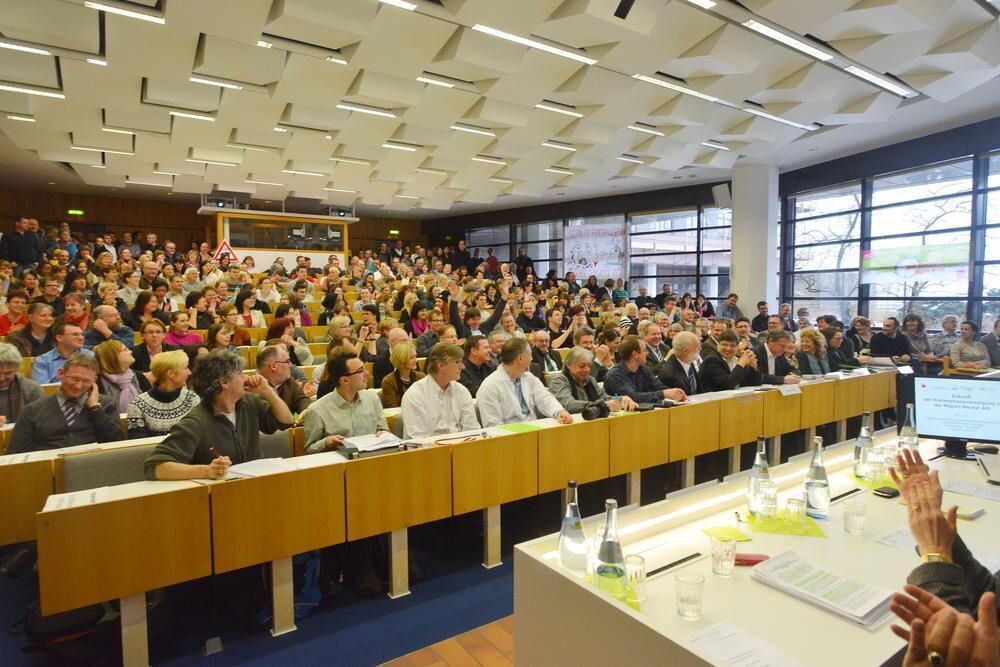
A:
(776, 119)
(656, 81)
(435, 172)
(402, 4)
(646, 130)
(212, 162)
(265, 183)
(704, 4)
(155, 185)
(625, 158)
(264, 44)
(489, 160)
(535, 44)
(399, 147)
(407, 197)
(435, 82)
(555, 109)
(212, 82)
(25, 48)
(98, 61)
(23, 119)
(113, 130)
(101, 150)
(505, 181)
(192, 116)
(166, 173)
(880, 81)
(562, 147)
(344, 106)
(336, 59)
(15, 88)
(122, 11)
(556, 170)
(791, 41)
(348, 160)
(250, 148)
(473, 130)
(301, 173)
(716, 145)
(350, 192)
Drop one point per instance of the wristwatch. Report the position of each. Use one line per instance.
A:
(935, 558)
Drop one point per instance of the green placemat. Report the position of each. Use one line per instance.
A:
(520, 427)
(888, 482)
(780, 527)
(726, 533)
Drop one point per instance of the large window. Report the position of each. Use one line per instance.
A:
(690, 249)
(543, 243)
(898, 243)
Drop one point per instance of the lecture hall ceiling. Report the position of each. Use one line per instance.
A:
(432, 108)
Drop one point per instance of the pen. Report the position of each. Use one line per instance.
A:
(215, 452)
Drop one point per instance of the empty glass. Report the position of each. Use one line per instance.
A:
(795, 513)
(767, 496)
(635, 573)
(723, 556)
(595, 545)
(854, 516)
(690, 586)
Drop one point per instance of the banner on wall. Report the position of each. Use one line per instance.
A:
(595, 249)
(931, 263)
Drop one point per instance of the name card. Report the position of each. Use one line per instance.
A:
(905, 370)
(862, 371)
(789, 389)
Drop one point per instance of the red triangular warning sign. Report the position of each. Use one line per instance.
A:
(226, 249)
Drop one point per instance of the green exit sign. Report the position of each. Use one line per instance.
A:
(75, 211)
(394, 232)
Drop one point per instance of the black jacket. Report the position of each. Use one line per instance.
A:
(538, 362)
(716, 376)
(672, 375)
(473, 376)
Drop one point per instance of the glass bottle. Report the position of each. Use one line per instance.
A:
(760, 472)
(908, 432)
(572, 540)
(862, 447)
(610, 571)
(817, 485)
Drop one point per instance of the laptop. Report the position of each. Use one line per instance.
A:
(990, 465)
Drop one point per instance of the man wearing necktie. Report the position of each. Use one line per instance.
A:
(679, 370)
(512, 394)
(543, 358)
(656, 351)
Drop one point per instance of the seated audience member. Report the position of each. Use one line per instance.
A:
(404, 375)
(75, 415)
(968, 352)
(656, 350)
(631, 377)
(225, 427)
(246, 310)
(728, 308)
(350, 409)
(941, 342)
(51, 296)
(115, 377)
(478, 363)
(718, 326)
(891, 343)
(35, 339)
(153, 334)
(239, 335)
(438, 403)
(496, 340)
(68, 341)
(283, 329)
(759, 323)
(812, 353)
(679, 371)
(836, 354)
(728, 368)
(180, 334)
(575, 388)
(992, 343)
(75, 310)
(146, 307)
(430, 338)
(274, 365)
(199, 310)
(220, 337)
(106, 324)
(584, 338)
(16, 392)
(382, 359)
(167, 402)
(528, 320)
(558, 337)
(15, 317)
(949, 569)
(775, 367)
(472, 323)
(543, 358)
(512, 394)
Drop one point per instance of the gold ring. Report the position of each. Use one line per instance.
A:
(935, 658)
(916, 508)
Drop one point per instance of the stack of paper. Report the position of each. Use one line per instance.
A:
(258, 467)
(64, 501)
(868, 606)
(373, 442)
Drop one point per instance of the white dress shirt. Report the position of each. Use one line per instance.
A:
(429, 410)
(499, 404)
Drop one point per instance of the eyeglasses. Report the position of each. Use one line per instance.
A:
(357, 372)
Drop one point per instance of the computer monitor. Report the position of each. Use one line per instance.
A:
(957, 409)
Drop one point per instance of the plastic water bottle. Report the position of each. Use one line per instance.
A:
(908, 432)
(817, 484)
(572, 540)
(610, 570)
(759, 473)
(862, 447)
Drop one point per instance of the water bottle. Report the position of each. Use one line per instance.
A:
(817, 485)
(908, 432)
(610, 570)
(862, 447)
(572, 540)
(759, 473)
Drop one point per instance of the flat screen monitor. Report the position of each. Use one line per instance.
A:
(958, 410)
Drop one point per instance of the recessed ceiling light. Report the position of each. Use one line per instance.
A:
(704, 4)
(301, 173)
(400, 147)
(880, 81)
(488, 160)
(264, 183)
(777, 119)
(98, 61)
(663, 83)
(166, 173)
(560, 146)
(26, 49)
(473, 130)
(363, 163)
(122, 11)
(329, 136)
(629, 158)
(264, 45)
(344, 106)
(557, 170)
(546, 106)
(155, 185)
(23, 119)
(193, 116)
(646, 130)
(101, 150)
(716, 145)
(535, 44)
(402, 4)
(335, 59)
(788, 40)
(217, 163)
(435, 82)
(18, 88)
(350, 192)
(113, 130)
(211, 82)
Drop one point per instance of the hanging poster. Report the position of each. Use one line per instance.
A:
(595, 249)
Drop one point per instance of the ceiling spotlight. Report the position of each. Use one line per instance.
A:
(264, 45)
(335, 59)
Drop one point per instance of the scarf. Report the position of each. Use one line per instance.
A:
(14, 398)
(590, 392)
(127, 390)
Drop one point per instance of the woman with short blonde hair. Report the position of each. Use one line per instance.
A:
(167, 402)
(404, 360)
(812, 355)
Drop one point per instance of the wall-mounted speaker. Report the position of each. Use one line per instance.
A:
(722, 196)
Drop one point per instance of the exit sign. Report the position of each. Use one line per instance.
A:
(75, 211)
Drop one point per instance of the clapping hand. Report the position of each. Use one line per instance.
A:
(940, 635)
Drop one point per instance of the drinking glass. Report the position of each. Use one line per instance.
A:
(595, 546)
(767, 497)
(635, 573)
(690, 586)
(854, 516)
(723, 556)
(795, 513)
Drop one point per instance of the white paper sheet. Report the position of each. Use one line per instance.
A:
(967, 488)
(64, 501)
(729, 644)
(258, 467)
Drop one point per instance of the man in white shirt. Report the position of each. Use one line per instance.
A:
(512, 394)
(438, 403)
(364, 299)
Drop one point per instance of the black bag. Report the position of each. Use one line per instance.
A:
(596, 410)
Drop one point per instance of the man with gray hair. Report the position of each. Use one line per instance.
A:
(105, 324)
(679, 370)
(438, 403)
(16, 392)
(941, 343)
(496, 339)
(225, 427)
(575, 388)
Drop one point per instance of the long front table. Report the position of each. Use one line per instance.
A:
(271, 518)
(550, 603)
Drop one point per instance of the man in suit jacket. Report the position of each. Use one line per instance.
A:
(75, 415)
(543, 359)
(774, 365)
(679, 371)
(728, 369)
(718, 326)
(656, 351)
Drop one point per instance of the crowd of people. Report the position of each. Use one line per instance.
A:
(497, 343)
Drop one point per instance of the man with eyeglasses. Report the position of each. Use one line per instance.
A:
(69, 341)
(51, 296)
(275, 366)
(350, 409)
(438, 403)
